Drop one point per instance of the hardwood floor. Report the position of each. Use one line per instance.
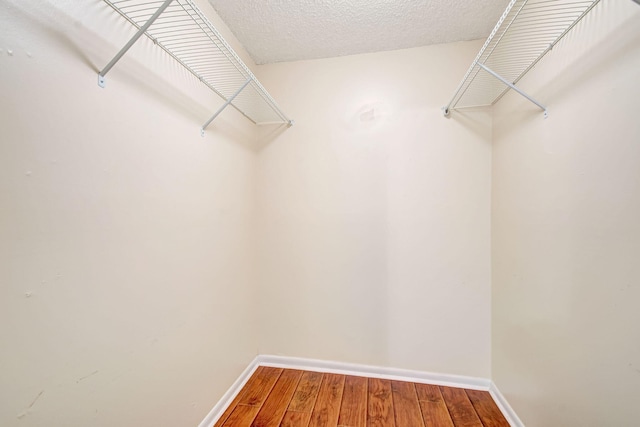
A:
(290, 398)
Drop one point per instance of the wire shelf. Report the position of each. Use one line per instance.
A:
(525, 32)
(184, 32)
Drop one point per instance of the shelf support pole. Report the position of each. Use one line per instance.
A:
(130, 43)
(225, 105)
(512, 86)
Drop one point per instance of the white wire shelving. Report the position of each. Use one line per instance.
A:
(184, 32)
(526, 31)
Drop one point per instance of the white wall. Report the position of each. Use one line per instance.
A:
(374, 214)
(566, 230)
(126, 239)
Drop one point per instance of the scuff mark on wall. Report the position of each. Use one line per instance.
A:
(28, 410)
(87, 376)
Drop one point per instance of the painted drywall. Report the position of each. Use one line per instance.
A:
(566, 230)
(126, 239)
(374, 225)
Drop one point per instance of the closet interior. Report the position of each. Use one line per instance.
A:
(169, 235)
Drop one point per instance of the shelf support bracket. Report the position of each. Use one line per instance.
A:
(225, 105)
(131, 42)
(512, 86)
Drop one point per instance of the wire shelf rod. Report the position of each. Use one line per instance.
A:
(553, 4)
(559, 24)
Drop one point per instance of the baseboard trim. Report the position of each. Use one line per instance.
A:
(382, 372)
(473, 383)
(504, 406)
(217, 411)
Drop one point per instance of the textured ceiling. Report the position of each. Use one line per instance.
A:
(281, 30)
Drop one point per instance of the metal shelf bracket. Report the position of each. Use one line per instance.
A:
(223, 106)
(514, 87)
(138, 34)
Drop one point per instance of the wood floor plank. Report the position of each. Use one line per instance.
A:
(353, 410)
(434, 410)
(327, 408)
(257, 388)
(276, 397)
(462, 412)
(406, 408)
(487, 409)
(260, 385)
(274, 407)
(306, 393)
(435, 414)
(380, 405)
(242, 416)
(295, 419)
(227, 413)
(429, 393)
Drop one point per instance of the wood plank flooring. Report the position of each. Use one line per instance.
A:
(291, 398)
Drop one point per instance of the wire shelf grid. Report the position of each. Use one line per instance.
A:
(525, 32)
(186, 34)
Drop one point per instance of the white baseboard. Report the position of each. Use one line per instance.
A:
(473, 383)
(382, 372)
(228, 397)
(504, 406)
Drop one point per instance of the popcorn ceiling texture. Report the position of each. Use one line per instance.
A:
(277, 31)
